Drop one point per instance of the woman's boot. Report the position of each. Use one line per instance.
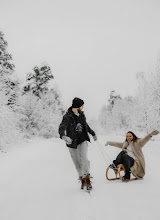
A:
(127, 176)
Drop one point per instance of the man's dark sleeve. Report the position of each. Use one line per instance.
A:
(63, 126)
(90, 130)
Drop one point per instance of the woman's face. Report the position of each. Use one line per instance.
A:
(129, 137)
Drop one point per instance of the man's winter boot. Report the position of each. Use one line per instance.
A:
(127, 176)
(88, 182)
(82, 182)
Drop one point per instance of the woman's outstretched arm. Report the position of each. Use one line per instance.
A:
(115, 144)
(144, 140)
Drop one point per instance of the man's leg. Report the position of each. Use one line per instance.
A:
(83, 149)
(85, 163)
(76, 160)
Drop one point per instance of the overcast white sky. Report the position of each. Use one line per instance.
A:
(93, 47)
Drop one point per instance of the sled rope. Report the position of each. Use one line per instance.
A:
(103, 152)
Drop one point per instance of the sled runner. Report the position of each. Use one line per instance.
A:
(118, 173)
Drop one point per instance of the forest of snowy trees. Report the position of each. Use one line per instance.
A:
(140, 112)
(30, 108)
(35, 108)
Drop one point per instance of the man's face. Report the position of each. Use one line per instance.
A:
(81, 108)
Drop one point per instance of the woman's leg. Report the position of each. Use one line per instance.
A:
(127, 162)
(119, 158)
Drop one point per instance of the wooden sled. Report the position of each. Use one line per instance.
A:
(118, 173)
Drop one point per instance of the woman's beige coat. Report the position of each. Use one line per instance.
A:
(138, 169)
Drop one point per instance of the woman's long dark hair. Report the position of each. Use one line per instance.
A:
(134, 136)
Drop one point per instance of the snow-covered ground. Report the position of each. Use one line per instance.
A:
(39, 182)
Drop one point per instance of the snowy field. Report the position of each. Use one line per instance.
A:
(39, 182)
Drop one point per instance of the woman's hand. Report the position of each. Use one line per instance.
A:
(154, 133)
(107, 143)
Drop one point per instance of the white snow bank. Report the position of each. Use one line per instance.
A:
(39, 182)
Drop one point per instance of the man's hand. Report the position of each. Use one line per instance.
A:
(95, 138)
(68, 140)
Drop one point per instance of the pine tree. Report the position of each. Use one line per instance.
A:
(37, 81)
(6, 67)
(9, 88)
(113, 98)
(9, 82)
(116, 116)
(41, 103)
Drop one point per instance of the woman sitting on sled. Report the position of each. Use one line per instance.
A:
(131, 155)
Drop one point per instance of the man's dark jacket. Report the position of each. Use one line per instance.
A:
(68, 127)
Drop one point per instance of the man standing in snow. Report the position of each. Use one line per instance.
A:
(74, 131)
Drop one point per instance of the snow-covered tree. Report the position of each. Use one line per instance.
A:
(6, 67)
(110, 116)
(9, 123)
(41, 116)
(9, 82)
(41, 103)
(114, 96)
(140, 112)
(37, 81)
(9, 89)
(147, 107)
(9, 127)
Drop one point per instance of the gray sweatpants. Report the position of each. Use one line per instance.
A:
(80, 160)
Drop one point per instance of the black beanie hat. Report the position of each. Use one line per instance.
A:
(77, 103)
